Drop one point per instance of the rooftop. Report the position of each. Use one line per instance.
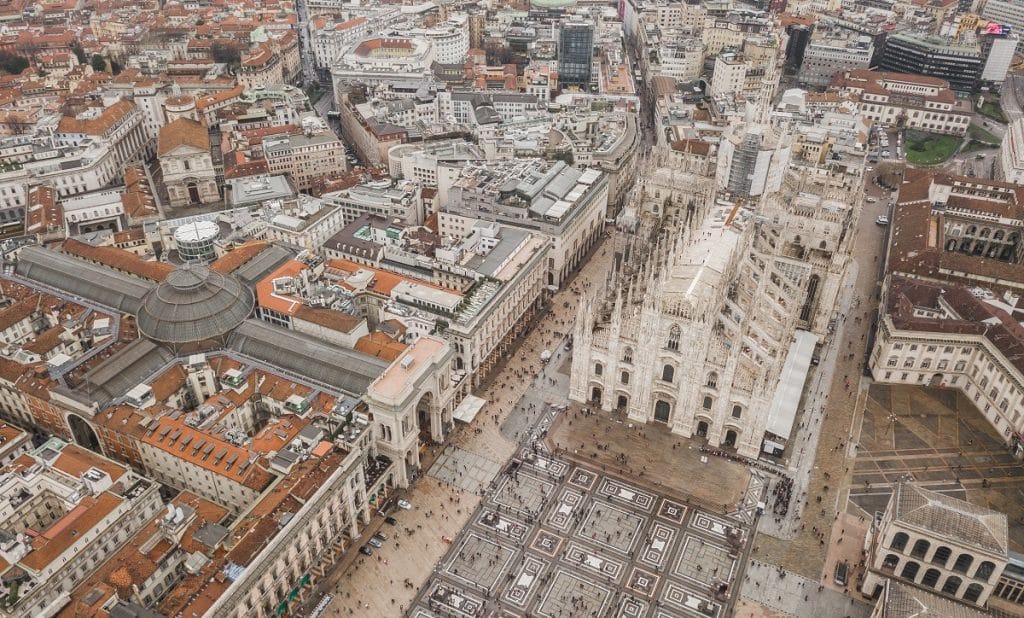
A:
(947, 517)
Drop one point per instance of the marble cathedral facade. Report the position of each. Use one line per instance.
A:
(696, 318)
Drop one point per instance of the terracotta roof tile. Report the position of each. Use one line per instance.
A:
(118, 259)
(183, 132)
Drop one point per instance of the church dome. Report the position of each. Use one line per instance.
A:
(193, 304)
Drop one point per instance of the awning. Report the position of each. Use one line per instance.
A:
(468, 409)
(782, 412)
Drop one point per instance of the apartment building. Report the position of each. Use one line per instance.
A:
(119, 125)
(825, 57)
(307, 157)
(391, 199)
(565, 204)
(1010, 165)
(65, 511)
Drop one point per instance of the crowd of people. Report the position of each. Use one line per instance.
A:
(782, 492)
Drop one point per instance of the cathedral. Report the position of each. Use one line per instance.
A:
(712, 298)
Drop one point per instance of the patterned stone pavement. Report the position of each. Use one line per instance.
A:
(555, 539)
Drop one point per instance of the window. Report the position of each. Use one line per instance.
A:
(908, 362)
(942, 555)
(712, 380)
(673, 337)
(598, 369)
(899, 541)
(707, 403)
(627, 355)
(624, 378)
(920, 549)
(910, 570)
(973, 593)
(963, 562)
(931, 578)
(737, 411)
(668, 373)
(893, 361)
(985, 570)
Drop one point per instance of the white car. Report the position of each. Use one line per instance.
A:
(871, 200)
(882, 220)
(886, 153)
(402, 504)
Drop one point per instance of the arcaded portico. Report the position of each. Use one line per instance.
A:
(412, 403)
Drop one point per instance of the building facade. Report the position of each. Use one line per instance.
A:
(937, 542)
(186, 163)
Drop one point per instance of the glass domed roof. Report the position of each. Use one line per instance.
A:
(193, 304)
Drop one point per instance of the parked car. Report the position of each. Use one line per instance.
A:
(871, 200)
(366, 551)
(391, 521)
(381, 535)
(376, 542)
(882, 220)
(402, 504)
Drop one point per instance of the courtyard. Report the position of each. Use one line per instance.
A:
(939, 438)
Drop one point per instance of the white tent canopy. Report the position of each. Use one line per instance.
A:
(782, 412)
(468, 409)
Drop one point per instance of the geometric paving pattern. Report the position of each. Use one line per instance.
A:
(583, 543)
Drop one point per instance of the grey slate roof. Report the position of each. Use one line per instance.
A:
(264, 263)
(948, 517)
(346, 370)
(99, 284)
(901, 600)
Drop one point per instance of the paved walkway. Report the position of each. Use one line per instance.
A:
(793, 595)
(464, 469)
(808, 432)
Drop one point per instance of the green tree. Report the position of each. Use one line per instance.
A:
(226, 54)
(98, 63)
(12, 64)
(76, 49)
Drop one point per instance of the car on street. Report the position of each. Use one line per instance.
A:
(886, 153)
(381, 535)
(391, 521)
(882, 220)
(366, 551)
(375, 542)
(405, 506)
(871, 200)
